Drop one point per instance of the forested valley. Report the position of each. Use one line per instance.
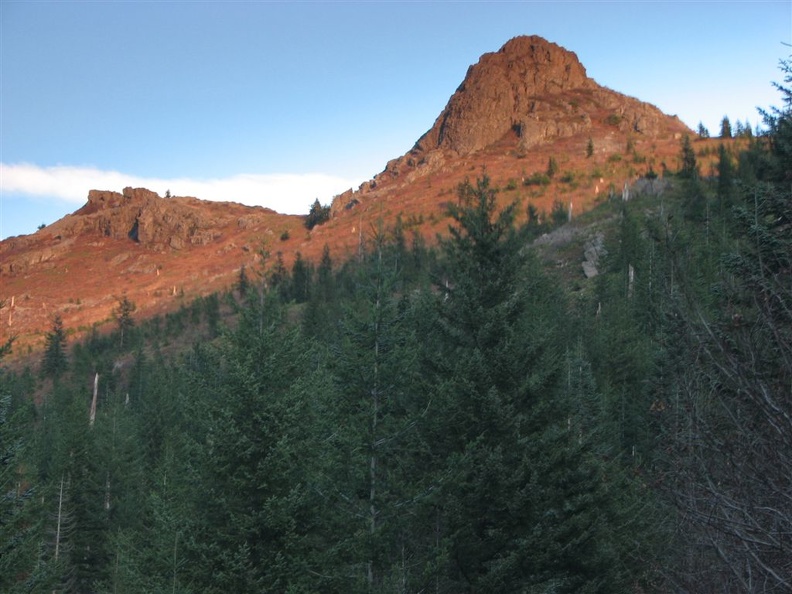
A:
(445, 419)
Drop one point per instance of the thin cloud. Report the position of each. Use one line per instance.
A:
(282, 192)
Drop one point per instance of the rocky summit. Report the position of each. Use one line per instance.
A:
(529, 93)
(514, 91)
(530, 102)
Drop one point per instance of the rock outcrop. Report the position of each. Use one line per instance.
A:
(529, 93)
(142, 216)
(535, 90)
(136, 215)
(507, 91)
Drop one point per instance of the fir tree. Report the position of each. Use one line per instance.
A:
(317, 215)
(21, 569)
(516, 491)
(254, 525)
(725, 130)
(372, 418)
(55, 362)
(689, 167)
(301, 275)
(243, 283)
(123, 317)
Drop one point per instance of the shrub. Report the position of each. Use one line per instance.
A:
(537, 179)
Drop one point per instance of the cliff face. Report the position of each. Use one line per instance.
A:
(535, 90)
(505, 91)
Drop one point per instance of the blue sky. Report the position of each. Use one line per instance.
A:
(278, 103)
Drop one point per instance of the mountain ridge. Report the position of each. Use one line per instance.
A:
(517, 108)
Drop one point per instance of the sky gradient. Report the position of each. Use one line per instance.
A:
(277, 103)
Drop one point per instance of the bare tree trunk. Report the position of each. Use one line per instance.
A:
(92, 414)
(60, 515)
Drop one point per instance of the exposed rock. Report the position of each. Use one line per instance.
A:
(504, 91)
(536, 90)
(136, 215)
(594, 249)
(143, 217)
(531, 92)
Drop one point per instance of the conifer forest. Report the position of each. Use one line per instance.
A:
(450, 418)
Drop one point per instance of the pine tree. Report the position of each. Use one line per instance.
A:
(73, 476)
(728, 477)
(726, 182)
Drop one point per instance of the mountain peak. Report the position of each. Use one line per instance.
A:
(501, 91)
(535, 91)
(517, 108)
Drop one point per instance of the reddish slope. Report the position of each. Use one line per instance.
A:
(515, 110)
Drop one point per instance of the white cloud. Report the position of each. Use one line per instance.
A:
(284, 192)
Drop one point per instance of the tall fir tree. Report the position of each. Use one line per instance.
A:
(55, 360)
(371, 426)
(516, 493)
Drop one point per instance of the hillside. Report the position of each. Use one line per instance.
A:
(516, 110)
(531, 404)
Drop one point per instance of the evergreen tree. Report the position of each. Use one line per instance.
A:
(688, 168)
(255, 514)
(324, 276)
(779, 129)
(726, 471)
(243, 283)
(322, 310)
(55, 362)
(123, 317)
(516, 494)
(317, 215)
(696, 204)
(301, 279)
(21, 568)
(278, 278)
(726, 184)
(371, 423)
(73, 476)
(725, 130)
